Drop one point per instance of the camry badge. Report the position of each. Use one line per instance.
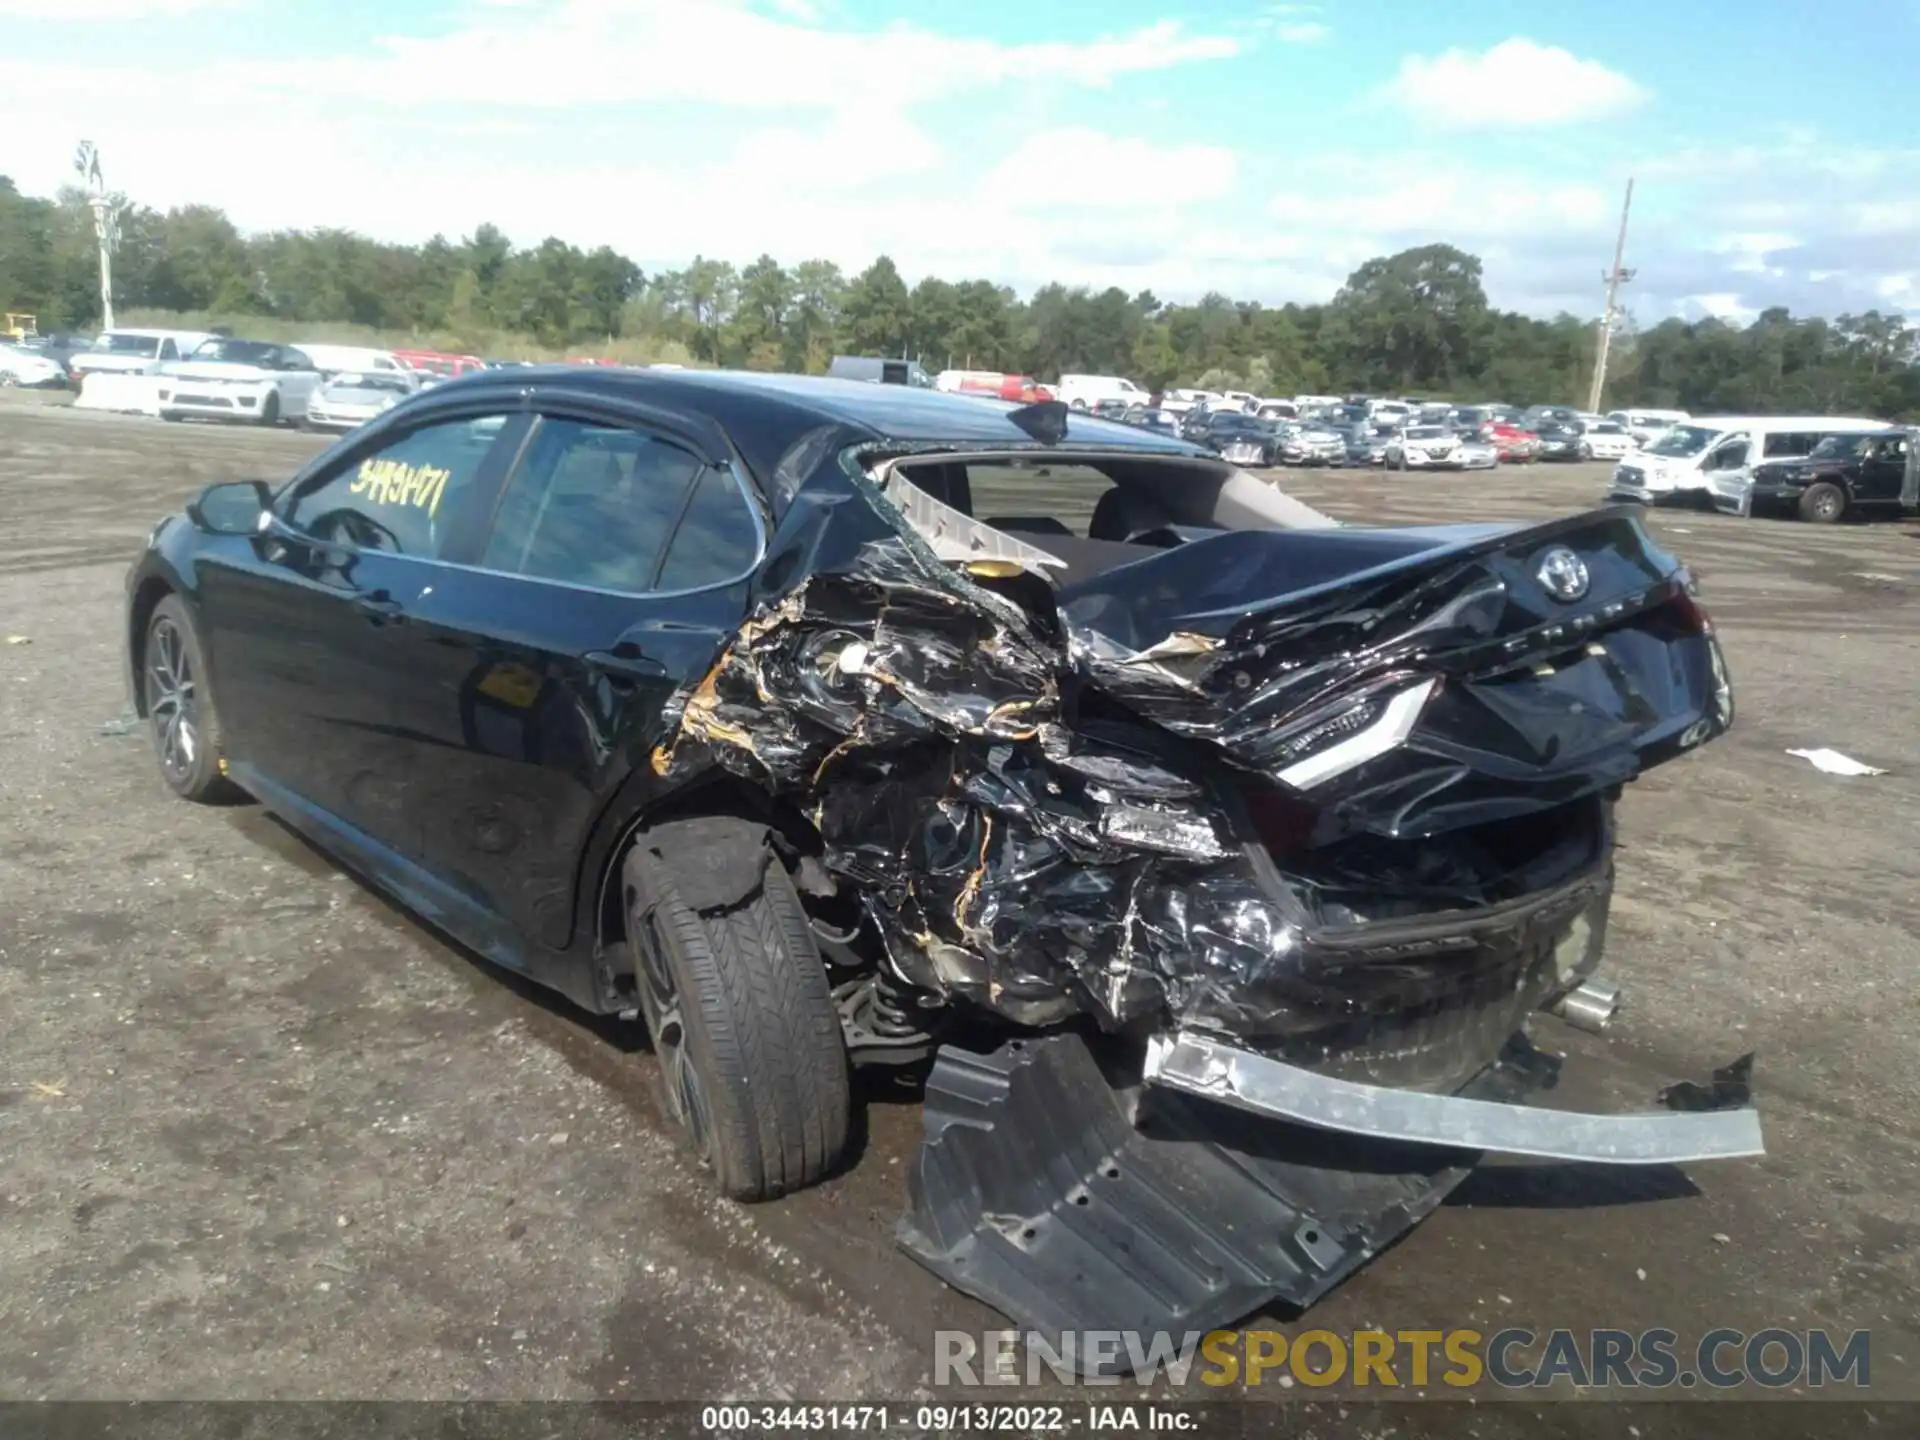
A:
(1562, 574)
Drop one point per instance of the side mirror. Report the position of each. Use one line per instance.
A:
(233, 507)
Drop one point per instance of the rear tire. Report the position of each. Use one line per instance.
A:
(752, 1064)
(1823, 503)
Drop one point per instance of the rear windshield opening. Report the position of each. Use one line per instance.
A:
(1095, 513)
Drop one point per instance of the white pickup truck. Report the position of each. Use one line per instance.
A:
(134, 352)
(227, 379)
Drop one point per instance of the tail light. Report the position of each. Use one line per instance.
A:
(1282, 823)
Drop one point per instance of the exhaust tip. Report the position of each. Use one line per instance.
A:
(1589, 1006)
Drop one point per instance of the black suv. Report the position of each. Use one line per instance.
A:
(1845, 475)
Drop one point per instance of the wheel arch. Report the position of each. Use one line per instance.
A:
(715, 794)
(146, 599)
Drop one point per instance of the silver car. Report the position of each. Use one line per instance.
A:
(347, 401)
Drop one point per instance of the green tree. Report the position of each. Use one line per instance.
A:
(1415, 319)
(877, 311)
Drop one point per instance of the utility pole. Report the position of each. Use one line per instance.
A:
(106, 222)
(1614, 278)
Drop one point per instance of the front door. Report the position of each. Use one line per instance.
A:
(309, 625)
(615, 568)
(1728, 468)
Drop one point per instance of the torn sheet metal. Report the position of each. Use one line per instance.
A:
(1207, 1067)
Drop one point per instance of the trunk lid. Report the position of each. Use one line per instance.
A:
(1414, 680)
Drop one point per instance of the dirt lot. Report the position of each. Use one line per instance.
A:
(263, 1136)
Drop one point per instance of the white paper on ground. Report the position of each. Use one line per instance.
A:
(1834, 763)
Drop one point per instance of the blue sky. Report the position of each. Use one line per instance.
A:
(1260, 149)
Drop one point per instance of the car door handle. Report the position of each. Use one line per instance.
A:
(379, 607)
(625, 662)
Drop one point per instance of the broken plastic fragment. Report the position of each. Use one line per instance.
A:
(1832, 762)
(1187, 835)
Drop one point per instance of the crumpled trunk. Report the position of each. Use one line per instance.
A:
(1342, 794)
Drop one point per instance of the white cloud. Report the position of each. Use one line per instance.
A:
(718, 52)
(1516, 83)
(118, 11)
(1080, 168)
(84, 12)
(1474, 204)
(1292, 24)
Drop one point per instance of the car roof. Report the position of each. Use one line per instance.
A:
(765, 414)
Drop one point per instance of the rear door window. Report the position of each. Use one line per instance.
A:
(592, 504)
(404, 498)
(716, 540)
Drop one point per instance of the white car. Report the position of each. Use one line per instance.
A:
(226, 379)
(20, 366)
(1605, 440)
(1425, 447)
(332, 360)
(1179, 402)
(349, 400)
(1239, 400)
(135, 352)
(1085, 392)
(1478, 454)
(1647, 426)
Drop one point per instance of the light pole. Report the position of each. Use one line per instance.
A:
(1615, 278)
(107, 208)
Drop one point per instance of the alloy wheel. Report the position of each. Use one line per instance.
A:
(661, 1005)
(1827, 507)
(173, 707)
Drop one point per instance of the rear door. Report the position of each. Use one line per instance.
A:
(614, 568)
(308, 623)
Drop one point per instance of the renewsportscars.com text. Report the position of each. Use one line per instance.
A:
(1511, 1359)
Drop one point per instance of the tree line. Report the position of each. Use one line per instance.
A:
(1416, 323)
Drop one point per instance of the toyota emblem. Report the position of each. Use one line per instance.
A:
(1562, 574)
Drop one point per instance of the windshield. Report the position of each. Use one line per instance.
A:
(1605, 427)
(235, 352)
(1427, 432)
(1682, 441)
(112, 344)
(1842, 447)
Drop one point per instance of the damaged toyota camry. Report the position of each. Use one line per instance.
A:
(1207, 857)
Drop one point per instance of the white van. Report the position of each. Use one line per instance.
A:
(1083, 392)
(331, 360)
(1715, 454)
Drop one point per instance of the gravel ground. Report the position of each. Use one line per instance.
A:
(265, 1137)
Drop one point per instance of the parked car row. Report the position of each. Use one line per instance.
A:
(190, 374)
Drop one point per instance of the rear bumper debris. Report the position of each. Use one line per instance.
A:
(1072, 1198)
(1206, 1067)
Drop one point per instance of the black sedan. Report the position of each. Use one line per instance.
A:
(1243, 439)
(821, 724)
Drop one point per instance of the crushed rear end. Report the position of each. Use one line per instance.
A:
(1258, 848)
